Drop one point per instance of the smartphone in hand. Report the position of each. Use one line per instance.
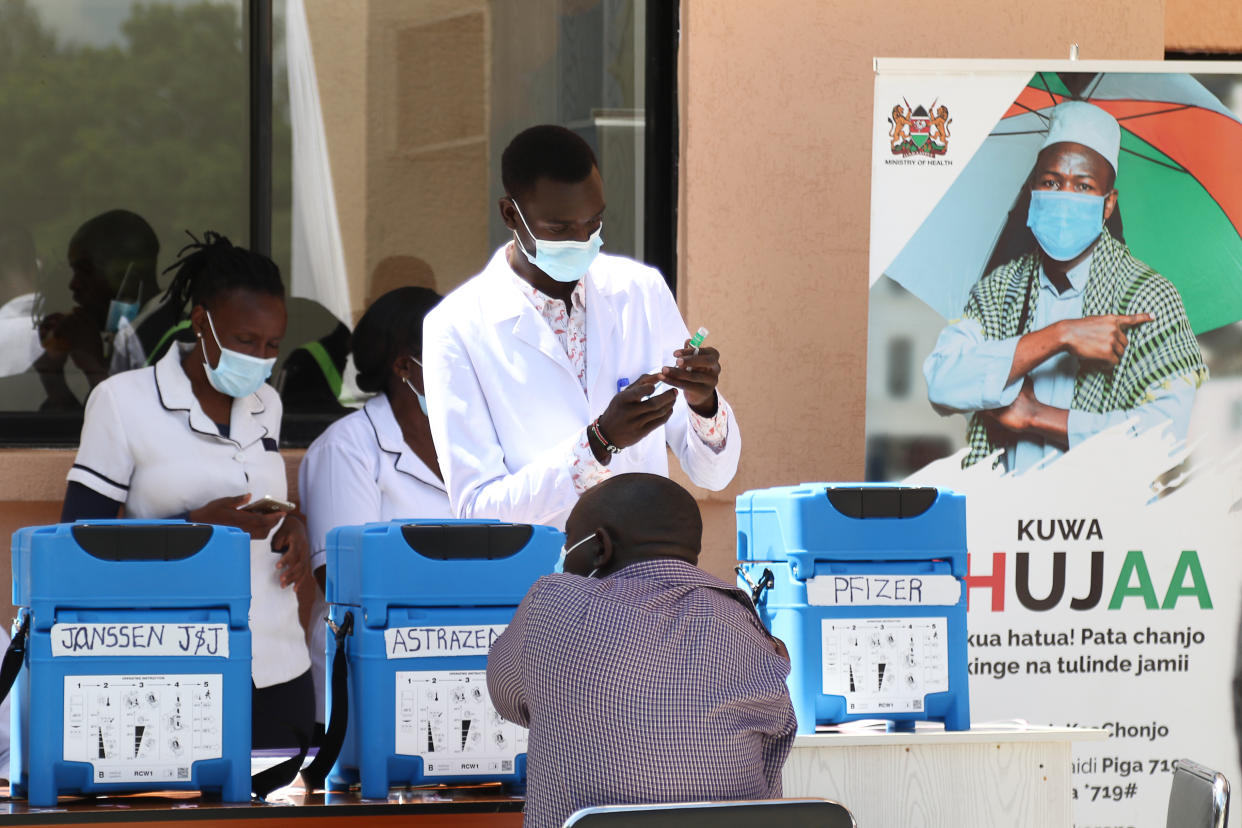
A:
(266, 505)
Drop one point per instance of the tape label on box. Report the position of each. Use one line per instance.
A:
(438, 642)
(883, 590)
(140, 639)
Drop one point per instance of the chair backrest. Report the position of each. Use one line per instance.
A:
(793, 813)
(1199, 799)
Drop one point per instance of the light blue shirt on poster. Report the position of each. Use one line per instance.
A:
(966, 372)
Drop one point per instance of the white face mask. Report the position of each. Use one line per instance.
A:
(560, 562)
(565, 261)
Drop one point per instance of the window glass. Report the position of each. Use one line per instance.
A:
(900, 366)
(125, 126)
(434, 98)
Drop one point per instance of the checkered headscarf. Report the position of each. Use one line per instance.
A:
(1158, 352)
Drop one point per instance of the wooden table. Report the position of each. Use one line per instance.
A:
(484, 805)
(982, 777)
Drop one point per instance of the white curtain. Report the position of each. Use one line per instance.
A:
(318, 255)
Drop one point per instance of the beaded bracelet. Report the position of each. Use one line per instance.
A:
(599, 435)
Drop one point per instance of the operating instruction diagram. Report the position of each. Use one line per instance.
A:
(143, 728)
(447, 718)
(885, 666)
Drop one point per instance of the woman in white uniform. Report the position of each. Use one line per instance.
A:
(378, 463)
(195, 436)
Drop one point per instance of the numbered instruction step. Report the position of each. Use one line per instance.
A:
(447, 718)
(143, 728)
(885, 665)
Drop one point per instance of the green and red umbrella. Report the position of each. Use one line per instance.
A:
(1179, 192)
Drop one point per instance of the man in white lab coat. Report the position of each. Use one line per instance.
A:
(540, 371)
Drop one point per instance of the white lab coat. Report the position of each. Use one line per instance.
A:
(506, 406)
(360, 470)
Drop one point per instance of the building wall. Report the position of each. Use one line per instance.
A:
(1203, 26)
(775, 116)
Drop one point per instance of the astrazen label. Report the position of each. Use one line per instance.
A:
(438, 642)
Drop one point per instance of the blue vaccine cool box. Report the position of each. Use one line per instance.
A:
(137, 665)
(427, 599)
(865, 584)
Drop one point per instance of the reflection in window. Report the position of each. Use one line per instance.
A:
(445, 91)
(128, 125)
(591, 78)
(900, 366)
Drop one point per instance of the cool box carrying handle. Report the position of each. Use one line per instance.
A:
(13, 658)
(338, 717)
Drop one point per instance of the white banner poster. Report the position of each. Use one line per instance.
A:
(1056, 289)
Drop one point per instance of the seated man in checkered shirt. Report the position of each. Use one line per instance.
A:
(642, 678)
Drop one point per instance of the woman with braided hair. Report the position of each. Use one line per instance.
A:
(195, 436)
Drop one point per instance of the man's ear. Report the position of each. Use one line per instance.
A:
(1110, 204)
(606, 548)
(507, 214)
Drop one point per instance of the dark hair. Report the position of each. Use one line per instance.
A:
(214, 266)
(116, 240)
(392, 326)
(546, 151)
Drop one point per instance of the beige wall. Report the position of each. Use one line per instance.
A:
(1203, 26)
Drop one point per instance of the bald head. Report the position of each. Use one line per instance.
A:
(629, 518)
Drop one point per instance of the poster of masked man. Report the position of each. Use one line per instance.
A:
(1056, 289)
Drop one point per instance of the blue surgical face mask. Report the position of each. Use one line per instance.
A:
(564, 261)
(236, 374)
(118, 310)
(1065, 224)
(560, 562)
(422, 400)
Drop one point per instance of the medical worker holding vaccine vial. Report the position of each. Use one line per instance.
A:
(195, 436)
(538, 370)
